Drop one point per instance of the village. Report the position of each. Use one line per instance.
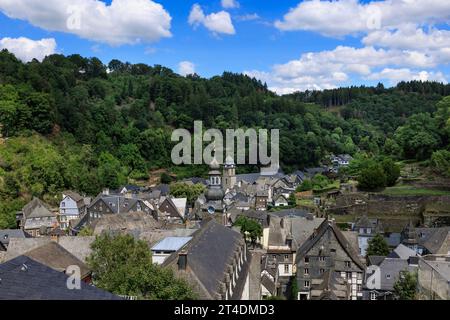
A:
(250, 236)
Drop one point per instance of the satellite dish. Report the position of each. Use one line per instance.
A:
(211, 209)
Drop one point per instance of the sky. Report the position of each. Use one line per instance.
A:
(291, 45)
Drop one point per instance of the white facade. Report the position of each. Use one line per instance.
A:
(68, 210)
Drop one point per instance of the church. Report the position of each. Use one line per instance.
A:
(218, 185)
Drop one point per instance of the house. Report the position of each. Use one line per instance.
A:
(23, 278)
(133, 223)
(166, 247)
(427, 240)
(367, 229)
(261, 200)
(80, 247)
(173, 210)
(324, 261)
(280, 201)
(341, 160)
(215, 263)
(269, 278)
(56, 257)
(7, 234)
(434, 277)
(129, 189)
(37, 218)
(281, 241)
(106, 204)
(71, 207)
(383, 272)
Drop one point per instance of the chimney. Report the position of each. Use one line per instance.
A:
(182, 260)
(105, 191)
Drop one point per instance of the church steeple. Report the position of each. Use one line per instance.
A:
(229, 173)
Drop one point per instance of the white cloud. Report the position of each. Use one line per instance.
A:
(342, 17)
(409, 37)
(121, 22)
(27, 49)
(219, 22)
(396, 75)
(186, 67)
(333, 68)
(230, 4)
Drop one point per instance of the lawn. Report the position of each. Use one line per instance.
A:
(413, 191)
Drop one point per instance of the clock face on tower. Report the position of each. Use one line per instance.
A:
(211, 209)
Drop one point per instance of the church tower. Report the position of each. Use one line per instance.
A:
(229, 174)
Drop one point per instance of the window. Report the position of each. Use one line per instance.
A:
(63, 204)
(359, 287)
(322, 271)
(286, 257)
(286, 268)
(348, 275)
(306, 271)
(348, 264)
(333, 250)
(306, 284)
(306, 259)
(388, 276)
(321, 259)
(373, 296)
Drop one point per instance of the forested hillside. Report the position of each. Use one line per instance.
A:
(72, 122)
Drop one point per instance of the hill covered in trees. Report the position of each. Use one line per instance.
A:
(73, 122)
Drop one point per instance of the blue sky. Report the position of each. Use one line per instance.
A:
(290, 44)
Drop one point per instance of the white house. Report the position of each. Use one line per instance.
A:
(71, 207)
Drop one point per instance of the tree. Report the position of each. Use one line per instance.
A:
(377, 246)
(305, 186)
(372, 177)
(418, 137)
(292, 200)
(391, 170)
(165, 178)
(440, 162)
(85, 232)
(183, 190)
(406, 286)
(123, 265)
(110, 171)
(249, 227)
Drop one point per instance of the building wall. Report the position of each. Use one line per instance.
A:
(432, 285)
(333, 256)
(68, 207)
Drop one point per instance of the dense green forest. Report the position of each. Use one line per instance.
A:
(75, 123)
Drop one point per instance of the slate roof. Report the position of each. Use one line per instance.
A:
(248, 177)
(330, 226)
(390, 270)
(7, 234)
(438, 240)
(56, 257)
(37, 209)
(268, 284)
(402, 252)
(394, 239)
(126, 222)
(375, 260)
(26, 279)
(80, 247)
(209, 253)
